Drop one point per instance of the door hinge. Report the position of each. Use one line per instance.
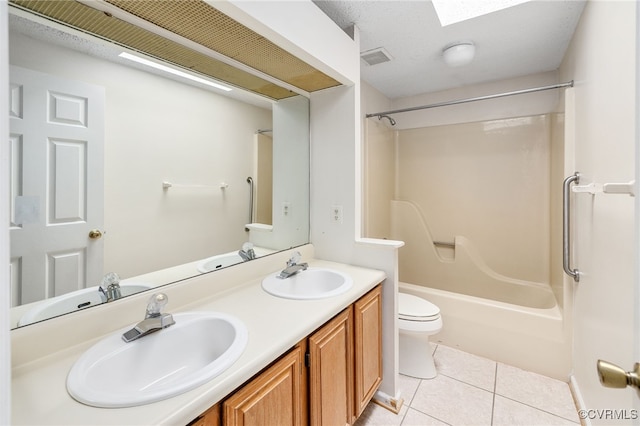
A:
(307, 359)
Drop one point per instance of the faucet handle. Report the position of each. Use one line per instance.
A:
(247, 246)
(110, 279)
(294, 259)
(156, 304)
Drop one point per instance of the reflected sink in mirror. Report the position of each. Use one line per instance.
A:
(313, 283)
(218, 262)
(163, 364)
(76, 301)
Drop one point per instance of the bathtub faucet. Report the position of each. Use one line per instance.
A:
(293, 267)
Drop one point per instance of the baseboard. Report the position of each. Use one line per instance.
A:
(390, 403)
(578, 400)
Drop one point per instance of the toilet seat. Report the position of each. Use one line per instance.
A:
(413, 308)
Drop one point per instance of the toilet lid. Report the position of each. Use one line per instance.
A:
(415, 308)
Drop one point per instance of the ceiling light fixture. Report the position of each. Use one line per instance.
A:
(459, 54)
(173, 71)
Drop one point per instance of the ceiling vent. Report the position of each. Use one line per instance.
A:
(375, 56)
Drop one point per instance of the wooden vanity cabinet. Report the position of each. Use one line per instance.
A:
(367, 330)
(327, 379)
(275, 397)
(345, 362)
(211, 417)
(330, 363)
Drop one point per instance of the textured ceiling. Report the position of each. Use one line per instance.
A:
(525, 39)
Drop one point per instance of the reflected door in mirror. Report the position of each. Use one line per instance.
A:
(57, 138)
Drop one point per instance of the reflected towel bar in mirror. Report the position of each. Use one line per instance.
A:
(167, 185)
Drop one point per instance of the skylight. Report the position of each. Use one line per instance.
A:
(453, 11)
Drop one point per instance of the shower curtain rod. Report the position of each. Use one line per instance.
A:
(479, 98)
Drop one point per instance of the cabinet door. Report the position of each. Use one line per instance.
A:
(331, 372)
(272, 398)
(211, 417)
(368, 347)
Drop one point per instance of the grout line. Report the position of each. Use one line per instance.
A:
(466, 383)
(405, 414)
(426, 414)
(408, 401)
(495, 385)
(540, 409)
(408, 404)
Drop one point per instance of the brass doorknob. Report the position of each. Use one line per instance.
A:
(95, 234)
(612, 376)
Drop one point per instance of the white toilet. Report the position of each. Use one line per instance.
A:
(418, 320)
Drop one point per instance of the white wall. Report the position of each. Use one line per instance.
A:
(5, 285)
(602, 61)
(336, 180)
(157, 129)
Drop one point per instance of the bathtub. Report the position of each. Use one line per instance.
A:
(534, 339)
(502, 318)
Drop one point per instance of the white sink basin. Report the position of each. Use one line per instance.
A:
(75, 301)
(219, 261)
(314, 283)
(199, 347)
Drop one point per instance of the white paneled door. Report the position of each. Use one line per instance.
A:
(57, 184)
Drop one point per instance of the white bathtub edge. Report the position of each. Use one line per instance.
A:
(527, 338)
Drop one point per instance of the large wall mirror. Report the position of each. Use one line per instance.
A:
(119, 167)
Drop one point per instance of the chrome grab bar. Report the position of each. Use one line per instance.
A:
(566, 235)
(250, 182)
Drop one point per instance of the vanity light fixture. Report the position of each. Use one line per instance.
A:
(173, 71)
(459, 53)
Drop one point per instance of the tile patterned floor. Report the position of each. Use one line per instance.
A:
(470, 390)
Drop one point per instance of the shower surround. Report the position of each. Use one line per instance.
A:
(479, 207)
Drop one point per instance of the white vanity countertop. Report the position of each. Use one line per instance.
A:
(275, 325)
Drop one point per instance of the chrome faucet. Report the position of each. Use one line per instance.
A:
(293, 267)
(110, 287)
(154, 319)
(247, 252)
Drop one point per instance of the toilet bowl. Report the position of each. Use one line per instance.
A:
(418, 319)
